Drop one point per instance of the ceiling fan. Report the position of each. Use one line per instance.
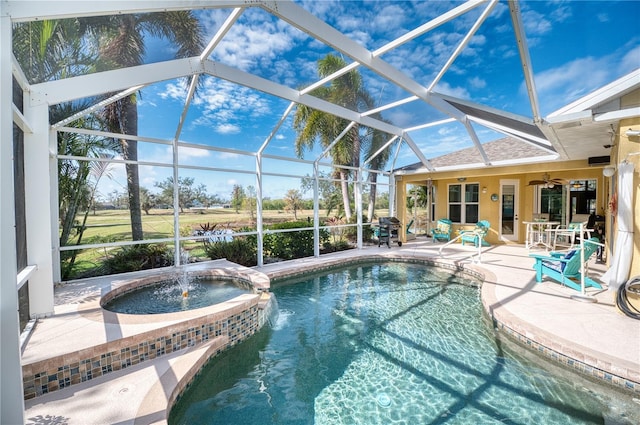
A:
(548, 182)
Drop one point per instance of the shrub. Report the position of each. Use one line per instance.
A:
(138, 257)
(336, 246)
(240, 250)
(294, 244)
(352, 232)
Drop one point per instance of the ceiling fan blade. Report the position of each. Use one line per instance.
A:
(536, 182)
(561, 182)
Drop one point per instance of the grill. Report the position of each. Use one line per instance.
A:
(387, 230)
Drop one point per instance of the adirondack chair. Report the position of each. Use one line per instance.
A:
(477, 235)
(442, 231)
(408, 227)
(565, 267)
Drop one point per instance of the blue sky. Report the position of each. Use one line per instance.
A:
(575, 48)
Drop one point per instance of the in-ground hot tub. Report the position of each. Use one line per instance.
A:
(173, 294)
(121, 340)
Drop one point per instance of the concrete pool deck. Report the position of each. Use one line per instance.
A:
(595, 336)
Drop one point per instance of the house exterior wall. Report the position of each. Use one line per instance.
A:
(490, 178)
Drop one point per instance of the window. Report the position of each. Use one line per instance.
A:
(583, 196)
(463, 202)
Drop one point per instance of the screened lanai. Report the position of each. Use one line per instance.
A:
(227, 112)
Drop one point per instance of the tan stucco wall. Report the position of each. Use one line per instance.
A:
(490, 178)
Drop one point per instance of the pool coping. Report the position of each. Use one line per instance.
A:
(157, 401)
(588, 362)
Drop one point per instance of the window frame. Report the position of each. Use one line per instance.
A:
(463, 203)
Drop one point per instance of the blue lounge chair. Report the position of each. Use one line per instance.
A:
(477, 235)
(565, 267)
(442, 231)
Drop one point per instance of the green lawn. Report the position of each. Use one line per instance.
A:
(114, 226)
(158, 224)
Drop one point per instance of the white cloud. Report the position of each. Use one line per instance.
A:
(223, 105)
(227, 155)
(535, 24)
(187, 153)
(401, 119)
(227, 129)
(254, 38)
(560, 86)
(631, 60)
(477, 82)
(175, 91)
(459, 92)
(390, 17)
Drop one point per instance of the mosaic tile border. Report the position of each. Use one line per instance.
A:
(567, 361)
(236, 324)
(477, 276)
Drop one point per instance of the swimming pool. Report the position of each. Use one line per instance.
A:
(385, 344)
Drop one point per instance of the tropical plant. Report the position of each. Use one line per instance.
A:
(148, 200)
(240, 250)
(313, 125)
(97, 170)
(54, 49)
(121, 41)
(376, 140)
(291, 244)
(138, 257)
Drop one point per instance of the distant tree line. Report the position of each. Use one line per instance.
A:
(192, 195)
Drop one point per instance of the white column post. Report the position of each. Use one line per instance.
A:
(316, 209)
(11, 399)
(392, 194)
(38, 208)
(259, 222)
(358, 199)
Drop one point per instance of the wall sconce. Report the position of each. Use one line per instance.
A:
(484, 189)
(609, 171)
(462, 179)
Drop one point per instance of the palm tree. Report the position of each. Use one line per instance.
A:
(50, 50)
(375, 141)
(121, 41)
(312, 125)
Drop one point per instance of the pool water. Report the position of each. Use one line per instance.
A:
(167, 296)
(387, 344)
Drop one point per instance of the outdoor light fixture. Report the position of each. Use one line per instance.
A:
(484, 189)
(609, 171)
(631, 132)
(461, 179)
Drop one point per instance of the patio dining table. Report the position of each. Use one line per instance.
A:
(538, 233)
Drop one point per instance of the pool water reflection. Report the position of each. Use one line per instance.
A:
(383, 344)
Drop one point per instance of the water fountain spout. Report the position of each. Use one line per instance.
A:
(183, 279)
